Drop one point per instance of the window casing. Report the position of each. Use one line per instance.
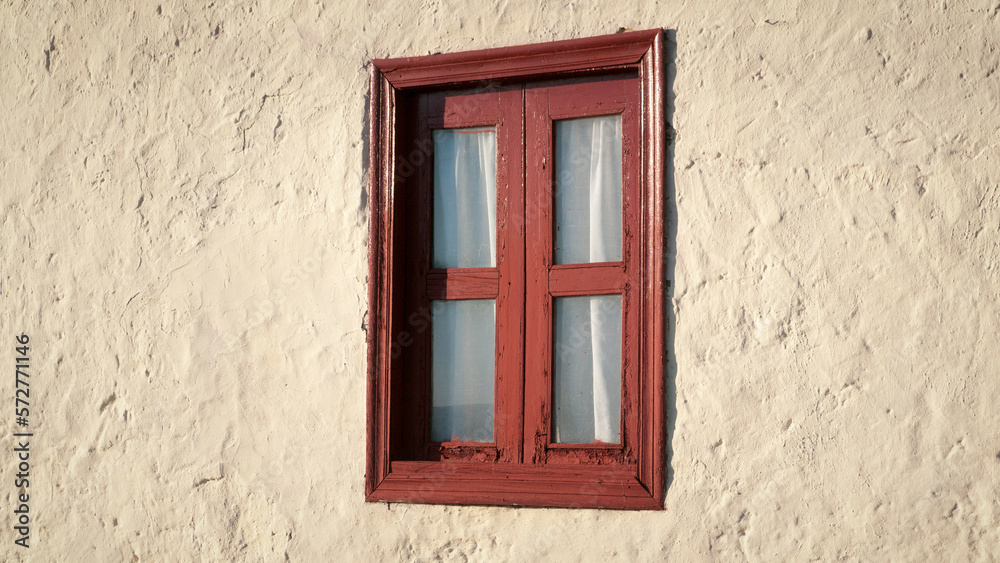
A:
(523, 97)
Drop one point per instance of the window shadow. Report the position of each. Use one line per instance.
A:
(670, 56)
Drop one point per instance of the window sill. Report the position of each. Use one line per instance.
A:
(563, 485)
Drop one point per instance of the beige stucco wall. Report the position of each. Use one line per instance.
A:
(184, 239)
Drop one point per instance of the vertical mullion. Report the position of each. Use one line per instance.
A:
(538, 239)
(510, 263)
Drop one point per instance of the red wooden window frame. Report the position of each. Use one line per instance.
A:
(519, 91)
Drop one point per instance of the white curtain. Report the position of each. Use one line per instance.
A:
(465, 198)
(462, 370)
(587, 391)
(463, 332)
(588, 202)
(589, 190)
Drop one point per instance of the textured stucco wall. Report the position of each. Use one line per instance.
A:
(184, 239)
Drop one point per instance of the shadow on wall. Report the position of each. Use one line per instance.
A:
(670, 201)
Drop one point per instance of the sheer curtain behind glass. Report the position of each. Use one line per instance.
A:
(465, 198)
(588, 202)
(462, 349)
(589, 190)
(587, 391)
(463, 331)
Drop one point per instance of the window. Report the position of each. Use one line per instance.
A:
(516, 286)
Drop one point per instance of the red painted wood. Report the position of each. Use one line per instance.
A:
(593, 446)
(545, 103)
(538, 301)
(509, 391)
(383, 292)
(633, 232)
(461, 451)
(596, 475)
(581, 279)
(452, 110)
(526, 496)
(598, 486)
(463, 283)
(541, 485)
(585, 455)
(529, 61)
(571, 474)
(377, 436)
(606, 95)
(652, 461)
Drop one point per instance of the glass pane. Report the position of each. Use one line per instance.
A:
(587, 379)
(465, 198)
(462, 372)
(589, 190)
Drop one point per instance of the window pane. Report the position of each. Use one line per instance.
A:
(465, 198)
(588, 359)
(589, 190)
(462, 372)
